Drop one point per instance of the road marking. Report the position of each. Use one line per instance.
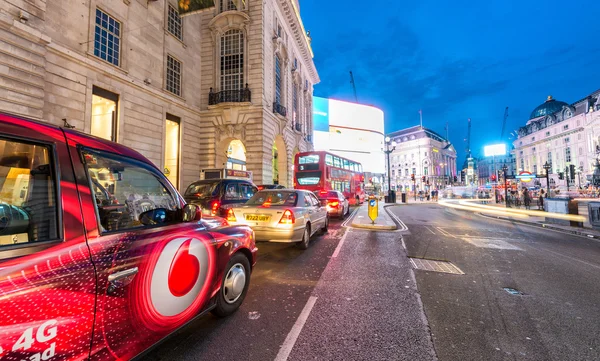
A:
(339, 246)
(403, 226)
(292, 337)
(345, 224)
(444, 232)
(429, 229)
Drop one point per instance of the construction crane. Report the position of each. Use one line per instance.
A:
(469, 140)
(353, 85)
(504, 122)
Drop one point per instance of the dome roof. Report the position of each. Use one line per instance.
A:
(550, 106)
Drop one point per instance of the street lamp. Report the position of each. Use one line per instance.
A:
(547, 168)
(579, 171)
(504, 170)
(390, 146)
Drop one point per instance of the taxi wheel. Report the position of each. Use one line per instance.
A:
(234, 286)
(303, 244)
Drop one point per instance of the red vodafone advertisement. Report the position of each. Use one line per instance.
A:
(100, 257)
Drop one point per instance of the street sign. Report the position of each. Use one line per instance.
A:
(373, 208)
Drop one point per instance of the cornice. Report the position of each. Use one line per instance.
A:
(293, 16)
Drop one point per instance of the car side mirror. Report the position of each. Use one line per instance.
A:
(153, 217)
(192, 213)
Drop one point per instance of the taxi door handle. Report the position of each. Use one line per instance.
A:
(121, 275)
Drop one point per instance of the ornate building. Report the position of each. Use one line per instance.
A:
(486, 166)
(561, 134)
(228, 87)
(424, 153)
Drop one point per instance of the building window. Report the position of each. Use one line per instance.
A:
(227, 5)
(580, 151)
(535, 169)
(107, 38)
(104, 114)
(414, 171)
(174, 23)
(425, 154)
(522, 164)
(172, 146)
(566, 126)
(533, 139)
(232, 60)
(295, 103)
(406, 172)
(393, 173)
(173, 75)
(547, 134)
(550, 161)
(425, 171)
(567, 140)
(567, 154)
(277, 80)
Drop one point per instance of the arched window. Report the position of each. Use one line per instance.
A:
(232, 60)
(278, 79)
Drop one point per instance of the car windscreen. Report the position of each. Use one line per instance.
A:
(202, 190)
(274, 198)
(308, 178)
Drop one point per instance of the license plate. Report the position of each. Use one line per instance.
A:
(257, 218)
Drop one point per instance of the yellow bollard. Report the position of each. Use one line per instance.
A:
(373, 208)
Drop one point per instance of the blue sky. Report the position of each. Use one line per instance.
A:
(455, 59)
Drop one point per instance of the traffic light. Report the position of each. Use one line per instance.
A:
(493, 177)
(412, 177)
(423, 178)
(561, 175)
(572, 171)
(455, 179)
(427, 181)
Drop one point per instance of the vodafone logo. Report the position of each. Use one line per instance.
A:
(179, 276)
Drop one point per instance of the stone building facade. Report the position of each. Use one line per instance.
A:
(561, 134)
(424, 153)
(135, 72)
(486, 166)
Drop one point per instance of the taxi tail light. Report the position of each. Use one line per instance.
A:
(260, 188)
(231, 216)
(288, 217)
(214, 208)
(333, 203)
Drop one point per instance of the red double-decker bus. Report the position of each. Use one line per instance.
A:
(323, 171)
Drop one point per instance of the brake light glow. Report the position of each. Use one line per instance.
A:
(260, 188)
(231, 216)
(333, 204)
(288, 217)
(214, 208)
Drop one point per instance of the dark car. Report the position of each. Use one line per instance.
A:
(337, 205)
(100, 257)
(216, 196)
(270, 186)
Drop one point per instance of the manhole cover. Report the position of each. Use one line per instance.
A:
(435, 266)
(513, 291)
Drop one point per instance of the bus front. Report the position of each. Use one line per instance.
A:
(309, 171)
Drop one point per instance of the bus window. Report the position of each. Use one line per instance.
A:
(346, 164)
(308, 178)
(308, 159)
(328, 159)
(346, 187)
(337, 162)
(353, 167)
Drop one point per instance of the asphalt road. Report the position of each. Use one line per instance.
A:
(281, 284)
(471, 316)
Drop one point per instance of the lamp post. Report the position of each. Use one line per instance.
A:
(547, 168)
(579, 171)
(390, 146)
(504, 170)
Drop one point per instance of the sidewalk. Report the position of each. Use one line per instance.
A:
(382, 222)
(543, 223)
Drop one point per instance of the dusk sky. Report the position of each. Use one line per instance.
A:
(455, 60)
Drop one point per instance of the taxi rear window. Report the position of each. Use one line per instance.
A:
(202, 190)
(274, 198)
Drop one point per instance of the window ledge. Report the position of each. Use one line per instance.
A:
(173, 95)
(116, 67)
(229, 105)
(176, 38)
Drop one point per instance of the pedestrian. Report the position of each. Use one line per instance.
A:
(541, 200)
(421, 196)
(526, 198)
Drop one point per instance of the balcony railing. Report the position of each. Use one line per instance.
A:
(298, 127)
(233, 96)
(279, 109)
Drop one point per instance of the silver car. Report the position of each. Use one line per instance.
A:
(282, 215)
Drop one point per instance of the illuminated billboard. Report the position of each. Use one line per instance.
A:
(350, 130)
(495, 149)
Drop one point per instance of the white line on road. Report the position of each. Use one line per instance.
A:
(429, 229)
(403, 226)
(339, 246)
(290, 340)
(345, 224)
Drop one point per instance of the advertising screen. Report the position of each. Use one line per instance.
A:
(351, 130)
(495, 149)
